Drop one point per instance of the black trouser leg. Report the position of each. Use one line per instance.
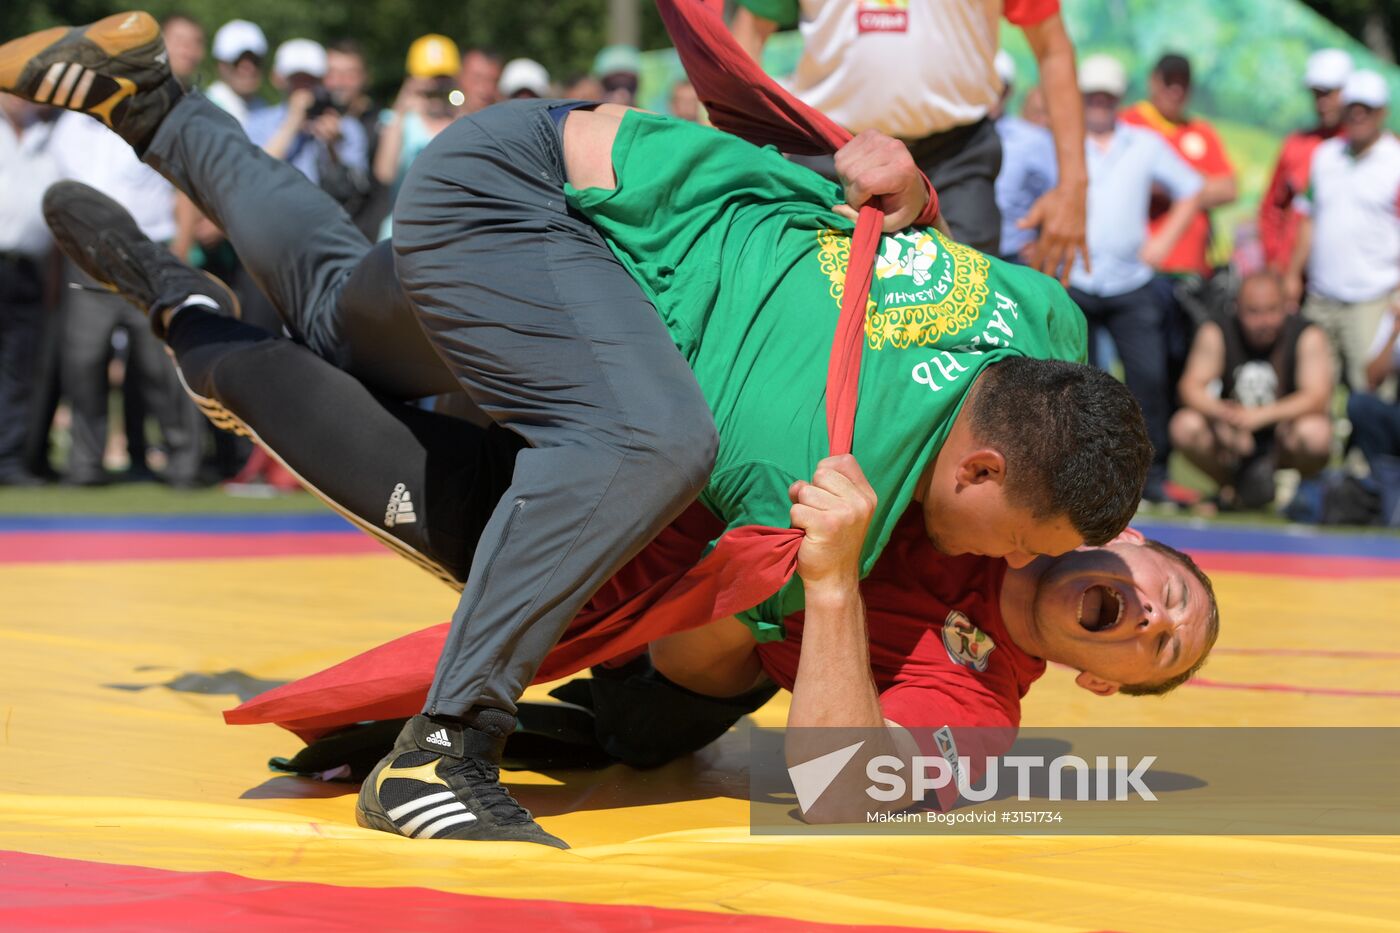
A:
(424, 483)
(549, 335)
(331, 289)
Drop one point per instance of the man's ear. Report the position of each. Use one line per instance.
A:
(981, 465)
(1129, 536)
(1096, 685)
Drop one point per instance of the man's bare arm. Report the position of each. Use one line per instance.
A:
(1060, 212)
(1302, 246)
(1204, 364)
(752, 32)
(834, 686)
(1315, 381)
(1218, 190)
(1174, 223)
(1381, 365)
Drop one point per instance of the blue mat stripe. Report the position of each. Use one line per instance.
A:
(1284, 540)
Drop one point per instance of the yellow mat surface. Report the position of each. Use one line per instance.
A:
(153, 778)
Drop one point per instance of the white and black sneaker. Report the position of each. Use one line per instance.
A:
(442, 781)
(103, 239)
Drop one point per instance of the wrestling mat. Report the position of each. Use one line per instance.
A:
(126, 803)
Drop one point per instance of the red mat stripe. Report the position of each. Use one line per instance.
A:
(1318, 566)
(42, 893)
(42, 547)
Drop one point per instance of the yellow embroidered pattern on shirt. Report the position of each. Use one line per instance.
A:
(931, 286)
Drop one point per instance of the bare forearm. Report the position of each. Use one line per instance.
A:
(1218, 190)
(1198, 398)
(386, 156)
(1302, 245)
(281, 142)
(1294, 405)
(834, 690)
(1066, 107)
(834, 686)
(751, 32)
(1379, 367)
(1177, 219)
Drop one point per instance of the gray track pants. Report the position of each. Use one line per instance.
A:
(494, 288)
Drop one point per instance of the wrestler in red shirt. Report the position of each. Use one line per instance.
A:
(949, 641)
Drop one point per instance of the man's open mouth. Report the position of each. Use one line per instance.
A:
(1100, 608)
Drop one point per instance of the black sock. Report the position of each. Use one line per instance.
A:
(424, 480)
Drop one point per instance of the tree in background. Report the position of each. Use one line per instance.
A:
(1374, 22)
(563, 35)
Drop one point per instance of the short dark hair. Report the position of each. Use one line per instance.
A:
(179, 16)
(1212, 627)
(485, 51)
(1074, 441)
(1173, 68)
(347, 47)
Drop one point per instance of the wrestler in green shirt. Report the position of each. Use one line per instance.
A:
(744, 259)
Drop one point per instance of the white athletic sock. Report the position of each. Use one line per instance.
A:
(194, 301)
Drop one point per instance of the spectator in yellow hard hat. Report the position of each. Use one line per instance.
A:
(426, 104)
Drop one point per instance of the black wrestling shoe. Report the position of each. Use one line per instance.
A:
(441, 781)
(115, 69)
(104, 241)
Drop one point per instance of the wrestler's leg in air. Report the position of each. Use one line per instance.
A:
(423, 483)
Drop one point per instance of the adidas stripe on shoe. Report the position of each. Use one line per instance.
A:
(441, 781)
(115, 70)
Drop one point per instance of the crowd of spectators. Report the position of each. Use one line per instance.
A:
(1236, 360)
(68, 347)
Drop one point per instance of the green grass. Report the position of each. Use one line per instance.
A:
(143, 499)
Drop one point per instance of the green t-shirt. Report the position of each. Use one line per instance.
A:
(741, 254)
(782, 12)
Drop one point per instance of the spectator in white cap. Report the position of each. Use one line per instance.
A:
(1126, 164)
(1028, 168)
(1349, 239)
(308, 129)
(1327, 70)
(239, 50)
(524, 77)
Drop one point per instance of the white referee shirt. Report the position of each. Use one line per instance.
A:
(908, 68)
(26, 170)
(88, 152)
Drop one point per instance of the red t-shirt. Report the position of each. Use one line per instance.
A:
(1029, 12)
(939, 651)
(1196, 142)
(1278, 221)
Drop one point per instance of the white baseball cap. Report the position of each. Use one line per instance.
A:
(1006, 67)
(237, 38)
(1327, 69)
(524, 74)
(1102, 74)
(300, 57)
(1367, 88)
